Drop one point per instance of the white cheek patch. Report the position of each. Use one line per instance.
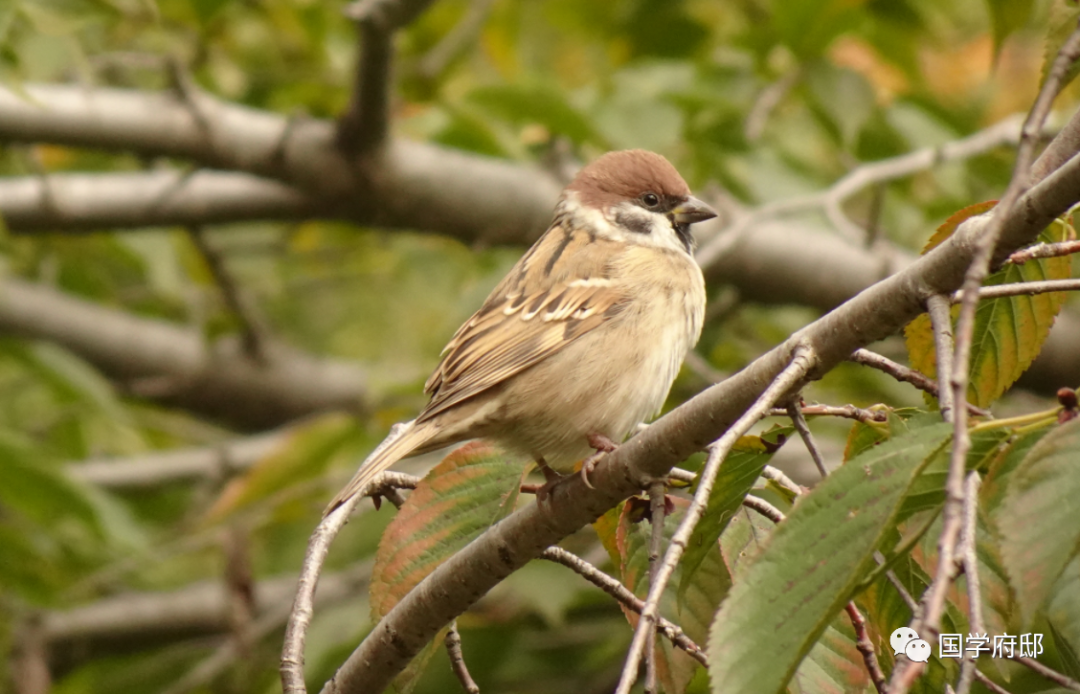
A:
(652, 228)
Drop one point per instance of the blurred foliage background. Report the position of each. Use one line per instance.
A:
(763, 99)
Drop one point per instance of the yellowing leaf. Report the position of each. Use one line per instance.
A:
(1009, 332)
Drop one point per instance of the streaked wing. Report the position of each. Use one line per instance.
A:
(535, 311)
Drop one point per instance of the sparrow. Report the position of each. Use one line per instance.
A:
(582, 339)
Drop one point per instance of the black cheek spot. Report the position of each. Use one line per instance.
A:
(683, 232)
(634, 223)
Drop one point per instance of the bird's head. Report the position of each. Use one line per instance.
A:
(637, 197)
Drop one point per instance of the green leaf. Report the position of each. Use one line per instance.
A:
(811, 565)
(30, 488)
(809, 26)
(844, 97)
(71, 378)
(1062, 22)
(1007, 16)
(690, 608)
(834, 665)
(523, 104)
(1070, 661)
(1039, 520)
(1009, 332)
(470, 490)
(734, 480)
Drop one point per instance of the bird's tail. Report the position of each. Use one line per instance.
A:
(403, 440)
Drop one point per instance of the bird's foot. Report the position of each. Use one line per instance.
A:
(551, 478)
(603, 445)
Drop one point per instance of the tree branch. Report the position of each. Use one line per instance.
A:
(200, 607)
(175, 366)
(511, 543)
(76, 202)
(366, 122)
(408, 185)
(154, 469)
(412, 185)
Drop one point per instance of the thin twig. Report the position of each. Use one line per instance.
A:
(859, 414)
(991, 684)
(1044, 250)
(969, 563)
(763, 507)
(1005, 132)
(941, 323)
(933, 601)
(799, 421)
(905, 374)
(459, 38)
(657, 508)
(777, 476)
(618, 591)
(457, 659)
(1023, 288)
(253, 332)
(767, 101)
(894, 369)
(680, 475)
(801, 361)
(1049, 673)
(866, 647)
(292, 655)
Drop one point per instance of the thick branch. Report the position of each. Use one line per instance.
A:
(408, 185)
(510, 544)
(155, 469)
(72, 202)
(200, 607)
(174, 365)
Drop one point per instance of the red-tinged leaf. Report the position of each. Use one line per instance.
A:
(1038, 520)
(734, 480)
(953, 222)
(471, 489)
(692, 609)
(834, 665)
(1009, 332)
(606, 527)
(460, 498)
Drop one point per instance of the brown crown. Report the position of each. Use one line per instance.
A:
(618, 176)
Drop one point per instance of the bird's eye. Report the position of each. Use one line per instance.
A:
(650, 199)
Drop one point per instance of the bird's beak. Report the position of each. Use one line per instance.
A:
(691, 211)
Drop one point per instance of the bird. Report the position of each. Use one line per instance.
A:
(583, 338)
